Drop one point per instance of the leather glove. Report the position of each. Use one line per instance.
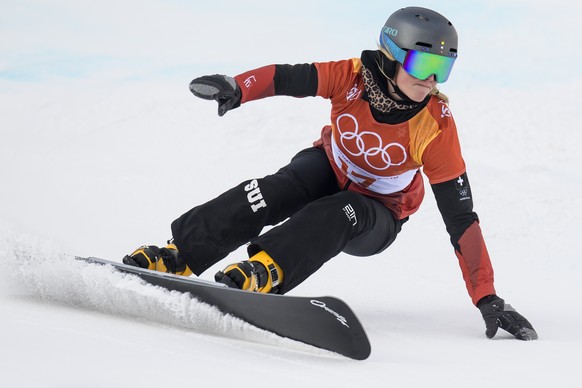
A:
(220, 88)
(497, 314)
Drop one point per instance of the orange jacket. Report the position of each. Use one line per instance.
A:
(383, 160)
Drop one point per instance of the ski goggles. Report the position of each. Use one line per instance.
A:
(419, 64)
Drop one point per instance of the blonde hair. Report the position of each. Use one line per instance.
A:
(435, 91)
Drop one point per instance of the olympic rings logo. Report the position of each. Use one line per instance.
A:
(370, 146)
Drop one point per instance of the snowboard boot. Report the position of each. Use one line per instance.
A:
(260, 273)
(165, 259)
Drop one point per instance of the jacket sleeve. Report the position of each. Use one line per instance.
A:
(454, 201)
(278, 80)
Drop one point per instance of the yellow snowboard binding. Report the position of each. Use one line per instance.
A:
(166, 259)
(258, 274)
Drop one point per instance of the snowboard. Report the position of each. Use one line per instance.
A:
(325, 322)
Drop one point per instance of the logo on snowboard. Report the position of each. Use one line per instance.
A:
(337, 316)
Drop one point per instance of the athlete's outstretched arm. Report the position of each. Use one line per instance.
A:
(283, 80)
(454, 199)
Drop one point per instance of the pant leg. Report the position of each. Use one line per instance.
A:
(209, 232)
(345, 221)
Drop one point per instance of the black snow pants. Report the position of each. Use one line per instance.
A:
(320, 221)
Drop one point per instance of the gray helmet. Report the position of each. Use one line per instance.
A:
(422, 29)
(423, 41)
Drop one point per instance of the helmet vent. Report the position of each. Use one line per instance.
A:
(422, 44)
(421, 17)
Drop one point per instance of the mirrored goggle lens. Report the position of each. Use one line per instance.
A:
(422, 65)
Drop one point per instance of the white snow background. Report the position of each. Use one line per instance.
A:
(103, 146)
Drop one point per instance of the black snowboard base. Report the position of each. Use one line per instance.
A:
(325, 322)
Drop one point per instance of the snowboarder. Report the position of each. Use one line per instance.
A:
(358, 184)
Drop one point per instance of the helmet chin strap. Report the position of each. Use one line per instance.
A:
(397, 91)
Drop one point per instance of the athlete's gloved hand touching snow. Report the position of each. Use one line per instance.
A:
(497, 314)
(218, 87)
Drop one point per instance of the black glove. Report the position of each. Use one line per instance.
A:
(218, 87)
(498, 314)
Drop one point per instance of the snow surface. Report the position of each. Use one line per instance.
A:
(103, 146)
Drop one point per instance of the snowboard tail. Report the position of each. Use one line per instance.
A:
(325, 322)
